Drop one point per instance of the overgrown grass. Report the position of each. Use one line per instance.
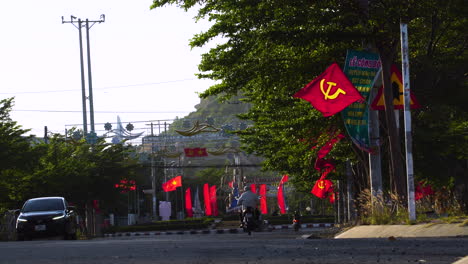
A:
(387, 209)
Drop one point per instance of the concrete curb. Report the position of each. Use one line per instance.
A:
(209, 231)
(420, 230)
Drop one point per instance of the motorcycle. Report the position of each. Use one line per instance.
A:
(296, 224)
(249, 220)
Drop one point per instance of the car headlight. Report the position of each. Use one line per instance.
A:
(58, 217)
(22, 220)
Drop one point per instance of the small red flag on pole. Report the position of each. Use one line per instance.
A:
(172, 184)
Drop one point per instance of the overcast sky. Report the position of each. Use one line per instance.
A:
(142, 66)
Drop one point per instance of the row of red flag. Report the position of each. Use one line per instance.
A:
(209, 195)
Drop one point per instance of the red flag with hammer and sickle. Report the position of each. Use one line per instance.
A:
(330, 92)
(322, 187)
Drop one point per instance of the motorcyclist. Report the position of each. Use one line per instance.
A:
(246, 200)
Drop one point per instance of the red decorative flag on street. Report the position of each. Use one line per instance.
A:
(172, 184)
(195, 152)
(213, 201)
(284, 179)
(188, 202)
(206, 198)
(253, 188)
(280, 195)
(330, 92)
(321, 188)
(263, 199)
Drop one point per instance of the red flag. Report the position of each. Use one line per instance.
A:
(231, 184)
(188, 202)
(213, 202)
(331, 197)
(172, 184)
(263, 199)
(206, 198)
(284, 179)
(328, 146)
(201, 152)
(280, 195)
(189, 152)
(253, 188)
(195, 152)
(330, 92)
(321, 188)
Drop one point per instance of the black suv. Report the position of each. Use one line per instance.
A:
(46, 216)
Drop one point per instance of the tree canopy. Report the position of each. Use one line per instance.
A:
(30, 167)
(268, 50)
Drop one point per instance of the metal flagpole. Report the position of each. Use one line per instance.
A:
(407, 118)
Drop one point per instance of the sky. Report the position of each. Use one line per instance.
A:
(142, 66)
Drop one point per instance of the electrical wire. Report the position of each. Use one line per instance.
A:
(104, 88)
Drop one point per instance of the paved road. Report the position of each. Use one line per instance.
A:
(272, 248)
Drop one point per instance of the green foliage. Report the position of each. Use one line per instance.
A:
(17, 157)
(29, 167)
(268, 50)
(82, 172)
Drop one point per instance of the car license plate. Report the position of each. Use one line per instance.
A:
(40, 227)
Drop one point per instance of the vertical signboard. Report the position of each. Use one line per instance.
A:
(360, 68)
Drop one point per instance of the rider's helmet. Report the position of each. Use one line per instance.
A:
(246, 188)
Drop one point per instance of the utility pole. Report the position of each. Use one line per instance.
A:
(407, 117)
(79, 23)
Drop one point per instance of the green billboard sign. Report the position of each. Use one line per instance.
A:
(361, 69)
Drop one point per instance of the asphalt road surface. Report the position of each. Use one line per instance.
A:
(270, 247)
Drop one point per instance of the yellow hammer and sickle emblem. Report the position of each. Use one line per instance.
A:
(321, 184)
(330, 85)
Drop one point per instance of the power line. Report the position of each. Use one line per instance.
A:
(104, 88)
(102, 112)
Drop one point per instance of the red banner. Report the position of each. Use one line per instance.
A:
(206, 198)
(213, 201)
(263, 199)
(284, 179)
(253, 188)
(280, 195)
(188, 202)
(195, 152)
(330, 92)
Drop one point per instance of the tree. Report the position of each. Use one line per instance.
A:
(83, 172)
(271, 49)
(17, 157)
